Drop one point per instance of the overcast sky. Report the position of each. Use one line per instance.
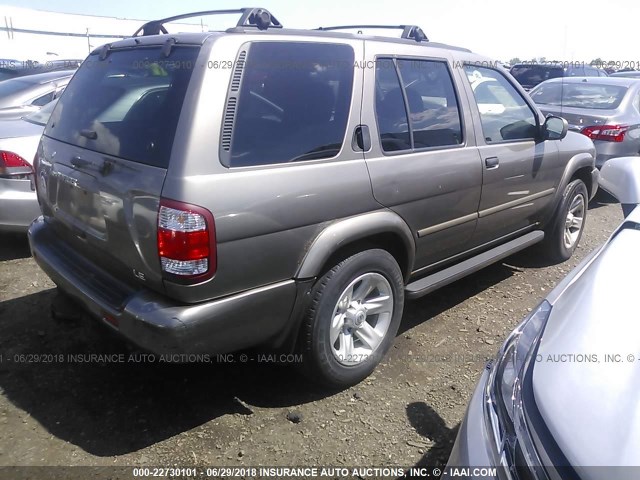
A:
(502, 29)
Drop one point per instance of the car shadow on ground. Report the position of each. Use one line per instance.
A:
(420, 310)
(108, 407)
(602, 199)
(119, 403)
(14, 246)
(426, 421)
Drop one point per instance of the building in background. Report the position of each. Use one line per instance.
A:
(27, 34)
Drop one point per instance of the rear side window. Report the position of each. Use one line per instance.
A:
(416, 105)
(293, 104)
(126, 105)
(548, 94)
(580, 95)
(391, 113)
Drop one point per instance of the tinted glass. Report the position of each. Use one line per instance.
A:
(127, 105)
(294, 103)
(580, 95)
(433, 106)
(504, 113)
(534, 74)
(391, 113)
(43, 100)
(41, 117)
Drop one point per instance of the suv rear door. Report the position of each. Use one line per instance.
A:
(424, 165)
(105, 152)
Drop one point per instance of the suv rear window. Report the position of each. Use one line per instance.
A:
(293, 104)
(126, 105)
(531, 75)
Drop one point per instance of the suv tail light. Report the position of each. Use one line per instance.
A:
(608, 133)
(13, 165)
(186, 240)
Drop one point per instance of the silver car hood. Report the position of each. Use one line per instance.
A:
(19, 128)
(590, 405)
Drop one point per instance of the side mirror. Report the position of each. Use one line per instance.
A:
(621, 178)
(554, 128)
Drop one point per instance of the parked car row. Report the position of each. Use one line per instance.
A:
(22, 95)
(12, 68)
(530, 75)
(607, 110)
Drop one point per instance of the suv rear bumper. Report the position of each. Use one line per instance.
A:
(155, 323)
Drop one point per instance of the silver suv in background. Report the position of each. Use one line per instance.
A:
(289, 189)
(530, 74)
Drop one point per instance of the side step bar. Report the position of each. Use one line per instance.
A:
(444, 277)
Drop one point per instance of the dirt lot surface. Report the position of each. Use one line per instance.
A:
(107, 413)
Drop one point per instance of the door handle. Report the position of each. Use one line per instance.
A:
(361, 139)
(79, 162)
(491, 163)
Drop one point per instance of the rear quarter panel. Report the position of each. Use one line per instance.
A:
(265, 217)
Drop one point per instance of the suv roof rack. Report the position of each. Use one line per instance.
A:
(408, 31)
(260, 18)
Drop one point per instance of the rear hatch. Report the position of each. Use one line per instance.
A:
(104, 155)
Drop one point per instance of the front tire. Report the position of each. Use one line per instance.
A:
(564, 233)
(353, 318)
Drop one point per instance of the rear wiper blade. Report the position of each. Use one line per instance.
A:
(90, 134)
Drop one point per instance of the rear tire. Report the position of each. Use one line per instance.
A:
(353, 318)
(563, 234)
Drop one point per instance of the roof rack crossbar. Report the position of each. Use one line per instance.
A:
(260, 18)
(408, 31)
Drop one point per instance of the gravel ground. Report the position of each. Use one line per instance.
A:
(107, 413)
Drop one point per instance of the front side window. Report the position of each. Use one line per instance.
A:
(416, 105)
(504, 113)
(293, 104)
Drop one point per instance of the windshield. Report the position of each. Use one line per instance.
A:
(41, 117)
(579, 95)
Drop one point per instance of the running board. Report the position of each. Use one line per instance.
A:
(444, 277)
